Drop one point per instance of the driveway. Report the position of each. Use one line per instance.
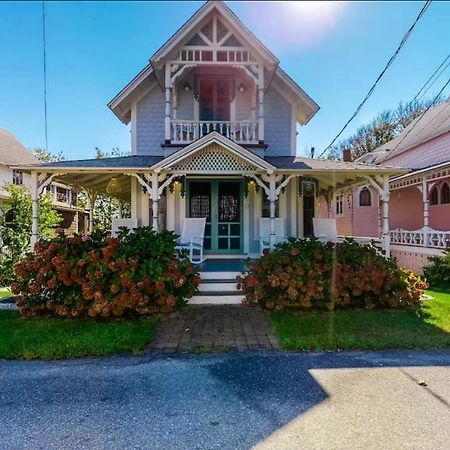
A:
(233, 401)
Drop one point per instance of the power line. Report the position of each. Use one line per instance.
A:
(388, 64)
(421, 116)
(432, 76)
(45, 75)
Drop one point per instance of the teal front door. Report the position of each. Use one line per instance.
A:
(221, 203)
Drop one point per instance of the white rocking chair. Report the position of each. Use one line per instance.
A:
(192, 238)
(326, 231)
(264, 232)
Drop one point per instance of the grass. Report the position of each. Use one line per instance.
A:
(362, 329)
(52, 338)
(5, 292)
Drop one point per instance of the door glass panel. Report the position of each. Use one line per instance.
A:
(223, 230)
(235, 243)
(229, 200)
(308, 214)
(229, 215)
(235, 230)
(200, 206)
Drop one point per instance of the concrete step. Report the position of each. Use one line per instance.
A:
(229, 299)
(219, 275)
(217, 286)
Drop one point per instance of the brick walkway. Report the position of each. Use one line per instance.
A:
(213, 328)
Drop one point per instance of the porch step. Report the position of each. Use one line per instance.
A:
(219, 275)
(235, 299)
(217, 286)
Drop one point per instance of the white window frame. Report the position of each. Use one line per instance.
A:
(339, 205)
(17, 177)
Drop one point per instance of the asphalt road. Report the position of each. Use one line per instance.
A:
(275, 400)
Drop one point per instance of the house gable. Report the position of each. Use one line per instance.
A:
(213, 34)
(214, 154)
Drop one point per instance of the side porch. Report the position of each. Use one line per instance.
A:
(415, 237)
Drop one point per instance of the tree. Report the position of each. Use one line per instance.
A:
(15, 228)
(46, 156)
(385, 127)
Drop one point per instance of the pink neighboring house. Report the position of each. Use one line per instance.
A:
(419, 209)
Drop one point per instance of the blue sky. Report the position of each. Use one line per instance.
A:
(95, 48)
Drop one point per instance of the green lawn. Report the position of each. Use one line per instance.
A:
(51, 338)
(364, 329)
(5, 292)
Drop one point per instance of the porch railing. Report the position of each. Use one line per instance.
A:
(425, 237)
(186, 131)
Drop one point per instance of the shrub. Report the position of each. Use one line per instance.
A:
(438, 271)
(100, 276)
(308, 274)
(15, 230)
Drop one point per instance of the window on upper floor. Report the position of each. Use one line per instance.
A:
(339, 205)
(365, 197)
(17, 177)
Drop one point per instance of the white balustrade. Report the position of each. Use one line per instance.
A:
(425, 237)
(186, 131)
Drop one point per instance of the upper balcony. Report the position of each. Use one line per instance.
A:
(214, 82)
(186, 131)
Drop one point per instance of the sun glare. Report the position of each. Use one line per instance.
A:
(315, 9)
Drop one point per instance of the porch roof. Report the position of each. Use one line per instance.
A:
(146, 163)
(95, 174)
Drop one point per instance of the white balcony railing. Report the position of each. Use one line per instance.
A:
(186, 131)
(425, 237)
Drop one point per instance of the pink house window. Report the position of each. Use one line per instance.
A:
(434, 196)
(440, 194)
(339, 206)
(365, 198)
(445, 193)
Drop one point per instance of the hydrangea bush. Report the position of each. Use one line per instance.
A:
(98, 276)
(310, 275)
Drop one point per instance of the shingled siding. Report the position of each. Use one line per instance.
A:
(150, 123)
(277, 124)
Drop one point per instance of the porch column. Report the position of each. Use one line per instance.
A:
(272, 200)
(155, 200)
(386, 239)
(426, 205)
(92, 196)
(167, 110)
(261, 103)
(35, 210)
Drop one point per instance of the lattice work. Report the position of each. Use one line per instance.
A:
(214, 158)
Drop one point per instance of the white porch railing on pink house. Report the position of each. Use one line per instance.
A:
(425, 237)
(187, 131)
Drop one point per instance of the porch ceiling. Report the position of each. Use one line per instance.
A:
(98, 182)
